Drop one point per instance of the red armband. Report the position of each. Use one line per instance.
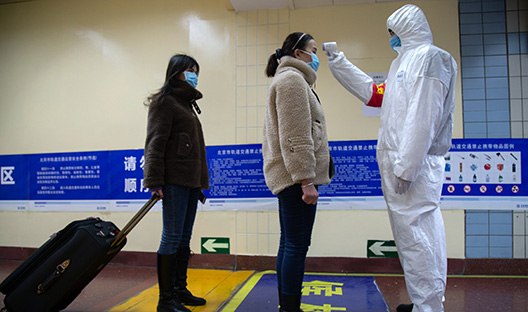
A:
(377, 95)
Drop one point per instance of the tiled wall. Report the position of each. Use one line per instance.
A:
(259, 34)
(494, 71)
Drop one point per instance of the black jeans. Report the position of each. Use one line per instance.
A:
(296, 222)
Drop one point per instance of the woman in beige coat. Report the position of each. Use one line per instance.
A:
(296, 157)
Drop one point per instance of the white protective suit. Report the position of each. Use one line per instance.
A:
(415, 133)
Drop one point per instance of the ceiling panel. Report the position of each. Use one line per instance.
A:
(249, 5)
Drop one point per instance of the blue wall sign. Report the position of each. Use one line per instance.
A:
(476, 169)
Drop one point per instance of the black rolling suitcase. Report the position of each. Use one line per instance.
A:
(54, 275)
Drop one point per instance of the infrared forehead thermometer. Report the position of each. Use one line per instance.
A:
(330, 47)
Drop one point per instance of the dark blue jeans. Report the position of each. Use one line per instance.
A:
(179, 212)
(296, 222)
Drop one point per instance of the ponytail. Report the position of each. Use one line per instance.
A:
(273, 63)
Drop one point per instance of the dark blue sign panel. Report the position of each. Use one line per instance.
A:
(357, 172)
(14, 179)
(126, 175)
(490, 167)
(68, 176)
(236, 171)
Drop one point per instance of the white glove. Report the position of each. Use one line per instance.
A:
(401, 185)
(331, 49)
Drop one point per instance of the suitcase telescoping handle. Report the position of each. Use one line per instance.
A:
(135, 220)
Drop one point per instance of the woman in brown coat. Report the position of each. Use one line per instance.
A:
(176, 169)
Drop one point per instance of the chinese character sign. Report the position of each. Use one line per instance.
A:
(126, 174)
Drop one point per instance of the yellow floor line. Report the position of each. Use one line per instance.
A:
(244, 291)
(216, 286)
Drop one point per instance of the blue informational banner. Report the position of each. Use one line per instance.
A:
(68, 176)
(126, 175)
(491, 167)
(235, 171)
(357, 172)
(479, 174)
(14, 177)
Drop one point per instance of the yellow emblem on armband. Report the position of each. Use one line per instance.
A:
(380, 89)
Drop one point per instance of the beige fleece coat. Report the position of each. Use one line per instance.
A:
(295, 143)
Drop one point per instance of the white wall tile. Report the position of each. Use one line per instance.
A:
(515, 88)
(512, 20)
(241, 36)
(263, 222)
(519, 247)
(263, 17)
(241, 225)
(263, 245)
(518, 223)
(524, 64)
(252, 222)
(241, 18)
(516, 110)
(252, 18)
(514, 62)
(517, 130)
(241, 244)
(252, 244)
(273, 16)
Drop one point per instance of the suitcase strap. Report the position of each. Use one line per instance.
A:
(135, 220)
(41, 288)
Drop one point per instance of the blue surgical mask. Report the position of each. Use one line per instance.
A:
(191, 78)
(314, 64)
(395, 42)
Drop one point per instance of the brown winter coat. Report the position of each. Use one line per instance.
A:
(175, 146)
(295, 143)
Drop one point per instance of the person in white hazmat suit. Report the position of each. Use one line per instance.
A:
(417, 103)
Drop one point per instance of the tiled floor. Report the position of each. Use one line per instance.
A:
(128, 288)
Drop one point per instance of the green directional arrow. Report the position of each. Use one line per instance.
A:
(381, 249)
(215, 245)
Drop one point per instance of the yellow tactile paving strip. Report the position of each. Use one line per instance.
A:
(216, 286)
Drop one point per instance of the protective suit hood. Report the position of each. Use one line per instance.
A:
(410, 24)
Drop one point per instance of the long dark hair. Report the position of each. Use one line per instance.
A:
(296, 40)
(177, 65)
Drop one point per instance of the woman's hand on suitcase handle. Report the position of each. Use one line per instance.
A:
(158, 192)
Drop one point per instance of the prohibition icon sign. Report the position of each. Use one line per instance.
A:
(499, 189)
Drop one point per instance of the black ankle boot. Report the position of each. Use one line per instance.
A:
(168, 301)
(290, 303)
(405, 308)
(180, 282)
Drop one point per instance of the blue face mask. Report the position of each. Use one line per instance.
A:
(395, 42)
(314, 64)
(191, 78)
